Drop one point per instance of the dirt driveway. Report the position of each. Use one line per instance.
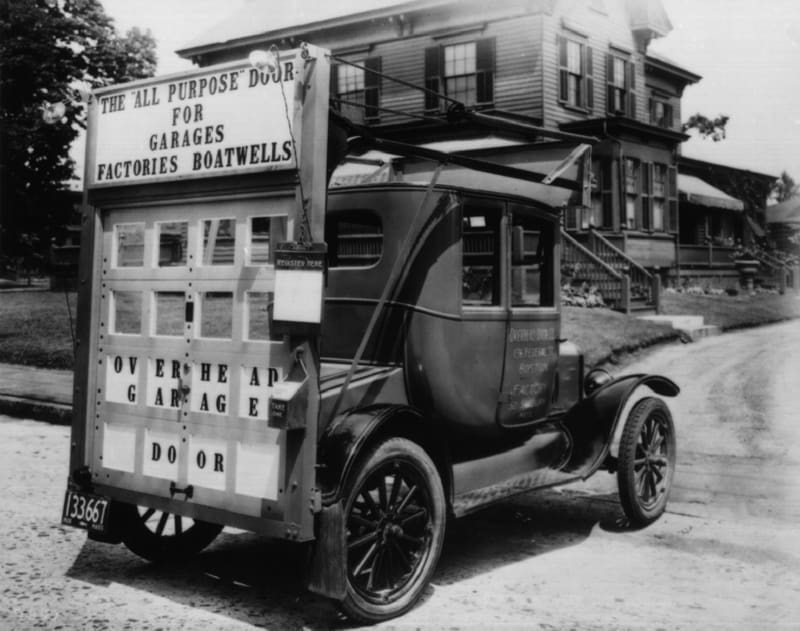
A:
(725, 556)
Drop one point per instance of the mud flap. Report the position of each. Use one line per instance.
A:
(328, 573)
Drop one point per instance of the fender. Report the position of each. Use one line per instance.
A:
(592, 421)
(345, 439)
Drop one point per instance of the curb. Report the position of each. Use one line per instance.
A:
(37, 410)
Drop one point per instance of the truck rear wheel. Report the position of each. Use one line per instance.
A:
(395, 522)
(646, 461)
(160, 536)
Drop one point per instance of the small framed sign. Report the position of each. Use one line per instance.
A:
(299, 287)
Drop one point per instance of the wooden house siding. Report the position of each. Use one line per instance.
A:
(604, 32)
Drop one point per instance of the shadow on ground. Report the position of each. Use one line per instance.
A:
(259, 581)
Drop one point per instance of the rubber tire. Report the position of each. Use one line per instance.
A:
(142, 541)
(639, 513)
(355, 605)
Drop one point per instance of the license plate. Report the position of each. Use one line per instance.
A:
(85, 510)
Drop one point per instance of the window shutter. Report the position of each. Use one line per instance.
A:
(672, 194)
(610, 83)
(372, 89)
(433, 76)
(563, 88)
(589, 79)
(335, 86)
(647, 189)
(631, 89)
(607, 191)
(484, 67)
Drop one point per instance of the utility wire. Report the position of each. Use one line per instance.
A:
(388, 110)
(408, 84)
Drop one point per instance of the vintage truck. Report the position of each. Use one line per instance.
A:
(347, 369)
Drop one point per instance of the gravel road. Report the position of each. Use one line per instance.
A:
(726, 555)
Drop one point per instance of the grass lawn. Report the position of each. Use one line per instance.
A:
(734, 312)
(602, 334)
(35, 328)
(35, 325)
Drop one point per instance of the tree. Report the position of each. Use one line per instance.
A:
(707, 127)
(784, 188)
(48, 50)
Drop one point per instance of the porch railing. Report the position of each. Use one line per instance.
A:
(644, 285)
(706, 255)
(584, 266)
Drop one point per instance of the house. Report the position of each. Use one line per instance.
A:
(578, 67)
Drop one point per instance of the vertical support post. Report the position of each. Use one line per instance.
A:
(626, 294)
(656, 289)
(796, 277)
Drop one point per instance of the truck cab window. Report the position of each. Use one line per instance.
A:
(354, 239)
(531, 255)
(480, 280)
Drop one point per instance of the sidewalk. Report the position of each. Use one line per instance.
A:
(36, 393)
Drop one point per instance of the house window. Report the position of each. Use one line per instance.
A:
(659, 196)
(661, 113)
(576, 87)
(602, 201)
(631, 192)
(621, 85)
(464, 72)
(357, 89)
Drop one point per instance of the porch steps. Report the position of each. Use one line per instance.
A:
(692, 328)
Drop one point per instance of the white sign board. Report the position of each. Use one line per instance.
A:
(221, 120)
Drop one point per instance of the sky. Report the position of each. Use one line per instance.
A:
(747, 51)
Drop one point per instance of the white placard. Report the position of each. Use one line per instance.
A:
(257, 383)
(207, 462)
(220, 120)
(257, 470)
(122, 378)
(211, 388)
(119, 447)
(298, 295)
(160, 455)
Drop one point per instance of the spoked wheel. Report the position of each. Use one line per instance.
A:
(395, 519)
(159, 536)
(646, 461)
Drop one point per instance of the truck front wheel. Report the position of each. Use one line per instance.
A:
(395, 522)
(159, 536)
(646, 461)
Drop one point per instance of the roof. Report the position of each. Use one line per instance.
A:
(258, 17)
(667, 65)
(787, 211)
(696, 191)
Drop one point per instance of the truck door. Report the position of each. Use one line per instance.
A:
(186, 361)
(533, 327)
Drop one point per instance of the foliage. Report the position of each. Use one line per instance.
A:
(785, 188)
(707, 127)
(47, 50)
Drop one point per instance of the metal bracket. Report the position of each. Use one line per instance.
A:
(188, 491)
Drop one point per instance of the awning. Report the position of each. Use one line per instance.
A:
(786, 212)
(695, 191)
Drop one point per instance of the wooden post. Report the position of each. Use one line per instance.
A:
(626, 294)
(656, 289)
(796, 277)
